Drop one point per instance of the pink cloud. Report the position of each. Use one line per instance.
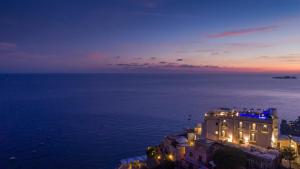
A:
(242, 32)
(249, 45)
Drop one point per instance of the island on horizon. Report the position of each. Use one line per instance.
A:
(284, 77)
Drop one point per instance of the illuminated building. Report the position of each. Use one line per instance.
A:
(247, 126)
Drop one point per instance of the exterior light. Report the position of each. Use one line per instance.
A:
(246, 140)
(216, 132)
(205, 114)
(237, 114)
(224, 121)
(171, 157)
(158, 157)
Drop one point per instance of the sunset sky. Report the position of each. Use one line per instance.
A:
(149, 35)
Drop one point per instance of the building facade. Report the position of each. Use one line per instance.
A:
(245, 127)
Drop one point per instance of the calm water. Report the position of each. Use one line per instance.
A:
(93, 121)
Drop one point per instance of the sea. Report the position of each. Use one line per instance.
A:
(92, 121)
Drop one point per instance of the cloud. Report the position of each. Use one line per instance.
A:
(117, 57)
(7, 46)
(249, 45)
(201, 66)
(173, 67)
(179, 60)
(214, 53)
(240, 32)
(290, 58)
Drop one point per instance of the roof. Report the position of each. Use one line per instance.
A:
(181, 140)
(260, 114)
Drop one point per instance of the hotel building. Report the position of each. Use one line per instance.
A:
(244, 127)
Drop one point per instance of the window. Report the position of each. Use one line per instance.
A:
(253, 126)
(240, 135)
(265, 128)
(241, 125)
(252, 137)
(223, 133)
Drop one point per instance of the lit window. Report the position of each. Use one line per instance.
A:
(223, 133)
(241, 124)
(252, 137)
(265, 128)
(240, 135)
(253, 126)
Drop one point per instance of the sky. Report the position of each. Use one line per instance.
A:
(62, 36)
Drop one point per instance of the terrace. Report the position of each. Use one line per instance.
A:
(260, 114)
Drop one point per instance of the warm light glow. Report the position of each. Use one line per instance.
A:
(273, 139)
(158, 157)
(230, 138)
(171, 157)
(241, 124)
(216, 132)
(224, 121)
(191, 143)
(240, 135)
(246, 140)
(223, 133)
(253, 126)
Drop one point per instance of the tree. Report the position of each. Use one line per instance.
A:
(284, 127)
(151, 152)
(228, 157)
(288, 154)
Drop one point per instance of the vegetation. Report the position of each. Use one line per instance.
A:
(228, 157)
(291, 127)
(152, 152)
(288, 154)
(166, 164)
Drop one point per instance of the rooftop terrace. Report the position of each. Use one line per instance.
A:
(262, 114)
